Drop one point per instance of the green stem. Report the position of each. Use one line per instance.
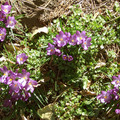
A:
(11, 41)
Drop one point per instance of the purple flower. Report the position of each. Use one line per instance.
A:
(55, 41)
(23, 78)
(21, 58)
(50, 49)
(25, 96)
(65, 57)
(73, 40)
(80, 37)
(117, 111)
(60, 40)
(15, 87)
(5, 8)
(7, 103)
(15, 96)
(58, 52)
(115, 91)
(86, 43)
(68, 35)
(2, 16)
(10, 22)
(14, 74)
(9, 80)
(70, 58)
(105, 97)
(30, 85)
(2, 33)
(116, 81)
(5, 72)
(3, 79)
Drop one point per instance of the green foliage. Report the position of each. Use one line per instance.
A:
(74, 105)
(89, 64)
(96, 65)
(117, 6)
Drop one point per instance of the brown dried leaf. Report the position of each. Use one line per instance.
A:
(11, 47)
(47, 113)
(87, 93)
(39, 30)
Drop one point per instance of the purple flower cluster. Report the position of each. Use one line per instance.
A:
(113, 94)
(62, 39)
(20, 84)
(9, 21)
(106, 97)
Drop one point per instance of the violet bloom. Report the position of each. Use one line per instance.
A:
(80, 36)
(9, 80)
(15, 96)
(6, 3)
(23, 78)
(15, 87)
(73, 40)
(116, 81)
(15, 74)
(68, 35)
(7, 103)
(2, 33)
(70, 58)
(58, 52)
(50, 49)
(3, 79)
(25, 96)
(21, 58)
(60, 40)
(30, 85)
(10, 22)
(105, 97)
(5, 72)
(2, 16)
(6, 8)
(55, 42)
(115, 91)
(65, 57)
(86, 43)
(117, 111)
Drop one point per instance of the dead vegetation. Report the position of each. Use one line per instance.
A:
(39, 13)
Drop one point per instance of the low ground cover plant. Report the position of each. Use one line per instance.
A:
(66, 68)
(62, 40)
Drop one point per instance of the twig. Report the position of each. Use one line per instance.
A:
(61, 94)
(112, 107)
(47, 4)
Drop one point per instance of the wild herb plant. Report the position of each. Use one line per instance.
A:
(98, 64)
(73, 83)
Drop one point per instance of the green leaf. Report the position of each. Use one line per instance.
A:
(85, 81)
(117, 6)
